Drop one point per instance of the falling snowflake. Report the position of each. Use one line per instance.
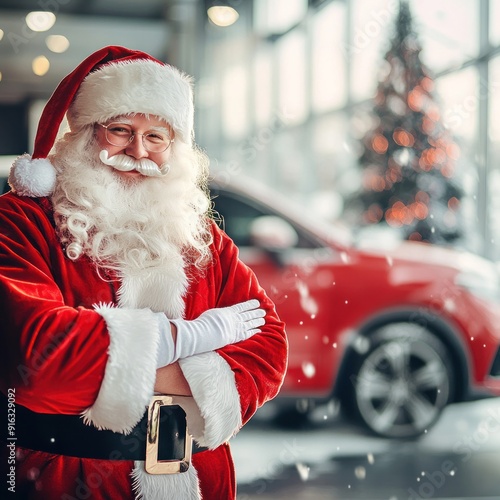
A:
(33, 474)
(360, 472)
(309, 369)
(308, 304)
(449, 305)
(303, 471)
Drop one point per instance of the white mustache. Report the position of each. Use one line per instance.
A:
(126, 163)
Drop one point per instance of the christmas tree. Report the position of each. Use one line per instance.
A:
(408, 158)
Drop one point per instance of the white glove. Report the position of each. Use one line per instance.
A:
(213, 329)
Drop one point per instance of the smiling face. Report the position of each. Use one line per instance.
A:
(128, 220)
(140, 125)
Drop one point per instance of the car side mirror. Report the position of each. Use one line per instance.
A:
(273, 234)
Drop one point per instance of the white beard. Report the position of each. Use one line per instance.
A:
(131, 225)
(146, 229)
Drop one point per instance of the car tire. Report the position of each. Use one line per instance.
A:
(402, 380)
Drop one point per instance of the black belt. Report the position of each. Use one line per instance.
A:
(69, 435)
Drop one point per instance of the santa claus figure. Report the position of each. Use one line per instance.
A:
(129, 324)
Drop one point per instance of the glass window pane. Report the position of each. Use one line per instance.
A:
(278, 16)
(263, 87)
(328, 61)
(495, 22)
(459, 95)
(371, 30)
(234, 102)
(207, 93)
(494, 157)
(333, 165)
(292, 100)
(494, 104)
(289, 156)
(448, 31)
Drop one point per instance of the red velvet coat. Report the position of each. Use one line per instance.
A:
(70, 345)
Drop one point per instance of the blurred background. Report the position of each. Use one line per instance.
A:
(375, 116)
(303, 95)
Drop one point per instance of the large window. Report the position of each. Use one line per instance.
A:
(448, 30)
(294, 98)
(329, 84)
(277, 16)
(494, 23)
(263, 85)
(292, 75)
(235, 105)
(459, 94)
(370, 26)
(493, 92)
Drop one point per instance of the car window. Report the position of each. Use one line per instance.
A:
(238, 213)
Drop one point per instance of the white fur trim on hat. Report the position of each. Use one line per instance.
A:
(34, 178)
(139, 86)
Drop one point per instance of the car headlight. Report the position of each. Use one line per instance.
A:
(484, 286)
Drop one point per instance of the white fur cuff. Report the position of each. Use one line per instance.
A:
(34, 178)
(128, 383)
(213, 386)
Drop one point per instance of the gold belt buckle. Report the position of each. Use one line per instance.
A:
(153, 465)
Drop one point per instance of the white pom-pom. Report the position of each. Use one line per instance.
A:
(34, 178)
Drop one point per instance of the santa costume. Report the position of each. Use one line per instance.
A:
(80, 343)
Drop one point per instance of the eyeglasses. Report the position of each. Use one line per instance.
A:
(121, 134)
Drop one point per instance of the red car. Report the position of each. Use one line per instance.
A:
(395, 335)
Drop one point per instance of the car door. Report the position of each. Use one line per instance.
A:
(300, 280)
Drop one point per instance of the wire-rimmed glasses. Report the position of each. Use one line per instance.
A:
(122, 134)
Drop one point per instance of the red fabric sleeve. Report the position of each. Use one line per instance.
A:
(259, 363)
(53, 343)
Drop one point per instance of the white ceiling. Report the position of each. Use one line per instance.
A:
(89, 25)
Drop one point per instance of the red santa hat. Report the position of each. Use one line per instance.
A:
(110, 82)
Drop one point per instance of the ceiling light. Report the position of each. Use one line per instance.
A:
(1, 34)
(40, 65)
(222, 15)
(0, 76)
(40, 20)
(57, 43)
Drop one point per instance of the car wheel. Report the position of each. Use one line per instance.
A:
(403, 380)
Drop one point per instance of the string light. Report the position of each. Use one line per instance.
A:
(40, 20)
(40, 65)
(57, 43)
(222, 15)
(380, 144)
